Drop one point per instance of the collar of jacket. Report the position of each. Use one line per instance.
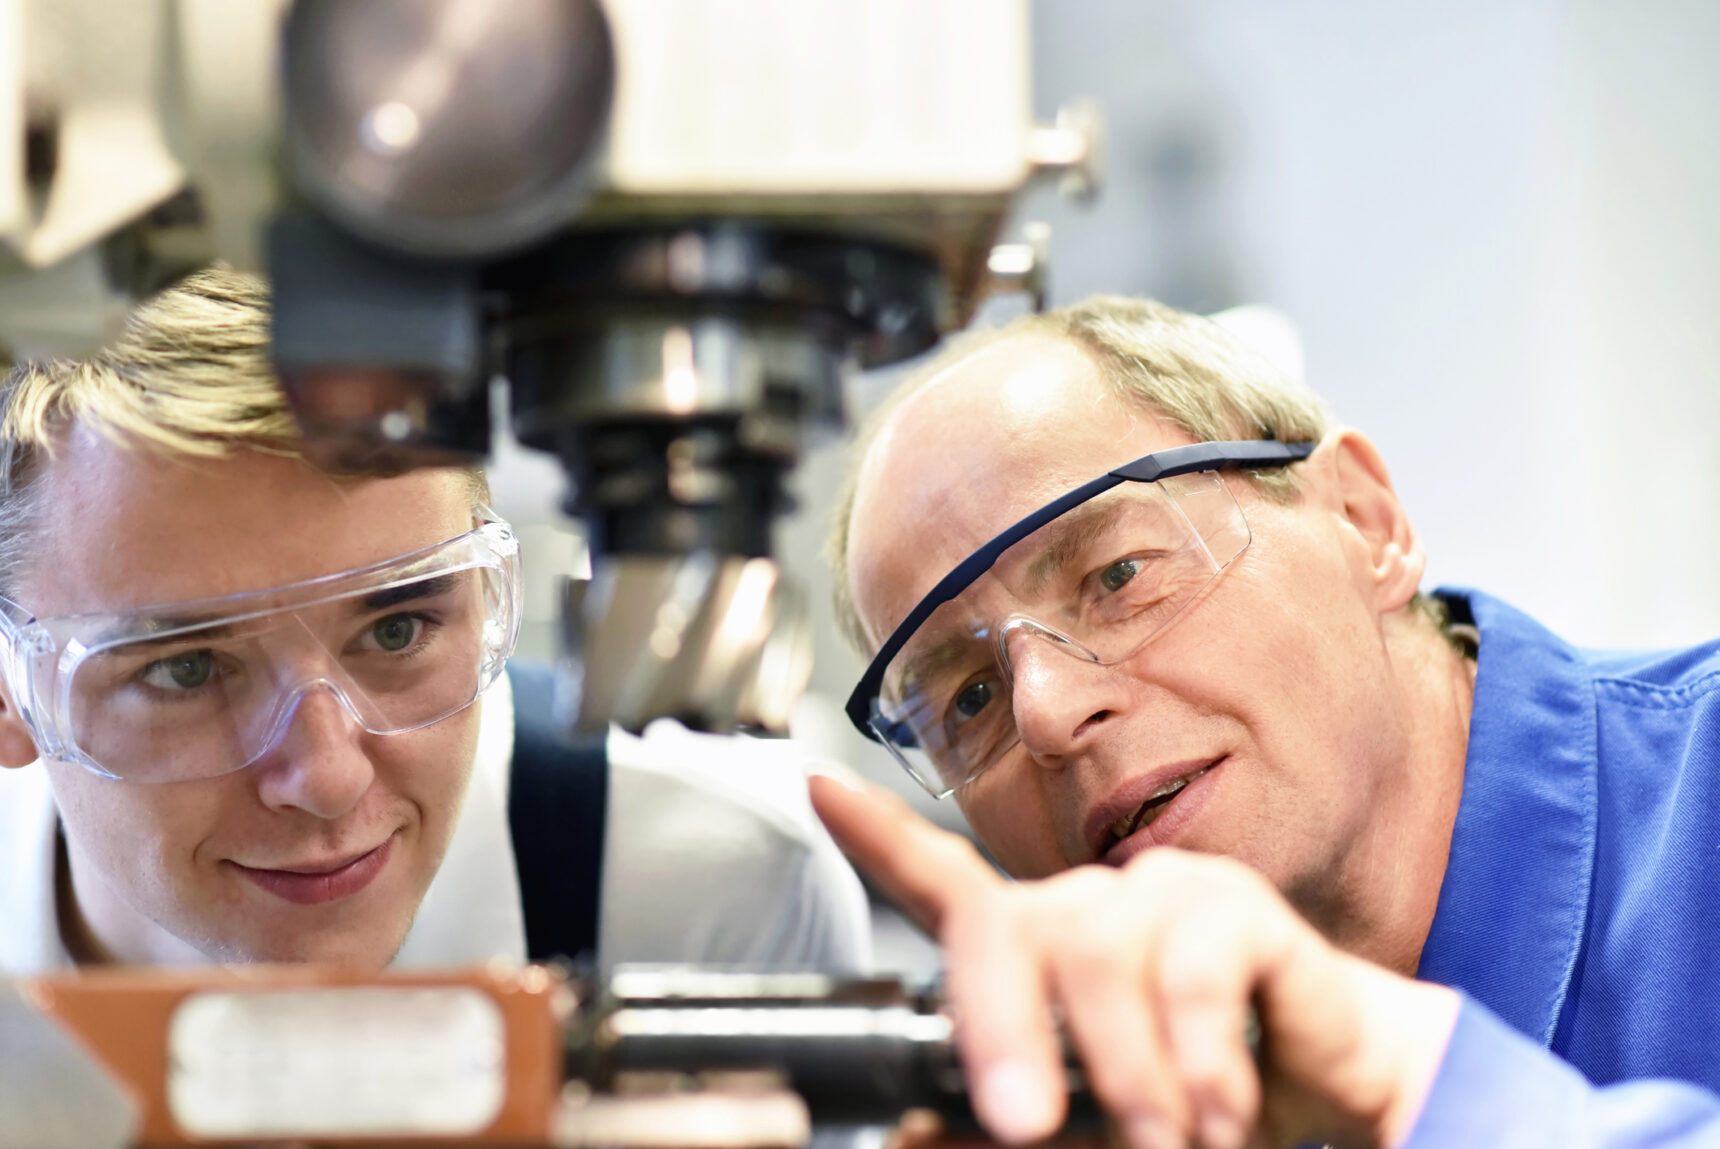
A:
(1515, 900)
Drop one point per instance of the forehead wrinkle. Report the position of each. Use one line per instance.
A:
(1018, 398)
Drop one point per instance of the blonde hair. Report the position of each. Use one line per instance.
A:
(189, 376)
(1186, 369)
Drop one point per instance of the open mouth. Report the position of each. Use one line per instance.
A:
(1148, 812)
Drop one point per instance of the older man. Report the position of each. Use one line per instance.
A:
(257, 712)
(1124, 586)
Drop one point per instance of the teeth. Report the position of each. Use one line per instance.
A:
(1146, 812)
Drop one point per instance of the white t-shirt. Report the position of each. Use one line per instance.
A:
(711, 854)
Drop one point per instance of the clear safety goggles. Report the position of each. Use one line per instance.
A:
(199, 689)
(1095, 575)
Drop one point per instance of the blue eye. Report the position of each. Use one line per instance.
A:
(184, 671)
(396, 632)
(1118, 574)
(973, 698)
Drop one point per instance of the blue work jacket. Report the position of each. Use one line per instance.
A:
(1581, 903)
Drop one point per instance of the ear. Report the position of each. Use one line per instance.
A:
(1395, 556)
(17, 748)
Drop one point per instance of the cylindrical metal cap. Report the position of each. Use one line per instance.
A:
(719, 642)
(446, 128)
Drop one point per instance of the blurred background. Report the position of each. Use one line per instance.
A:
(1496, 225)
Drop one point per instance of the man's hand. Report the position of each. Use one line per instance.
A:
(1151, 969)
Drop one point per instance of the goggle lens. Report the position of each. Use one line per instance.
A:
(1098, 583)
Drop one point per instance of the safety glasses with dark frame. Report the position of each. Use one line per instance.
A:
(1257, 454)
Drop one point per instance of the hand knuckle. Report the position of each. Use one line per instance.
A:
(1080, 885)
(1098, 950)
(1193, 967)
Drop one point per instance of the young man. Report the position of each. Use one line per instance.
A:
(1151, 597)
(255, 712)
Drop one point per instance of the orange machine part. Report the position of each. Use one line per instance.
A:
(121, 1016)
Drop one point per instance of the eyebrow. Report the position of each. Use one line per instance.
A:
(433, 587)
(210, 628)
(173, 625)
(927, 663)
(1067, 537)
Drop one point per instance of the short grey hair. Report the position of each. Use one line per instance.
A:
(1187, 369)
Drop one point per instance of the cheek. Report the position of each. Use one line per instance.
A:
(430, 769)
(1301, 662)
(1013, 819)
(139, 835)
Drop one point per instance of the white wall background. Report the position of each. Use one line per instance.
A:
(1497, 225)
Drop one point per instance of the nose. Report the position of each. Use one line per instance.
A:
(318, 764)
(1062, 697)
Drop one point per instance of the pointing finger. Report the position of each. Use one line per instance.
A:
(924, 870)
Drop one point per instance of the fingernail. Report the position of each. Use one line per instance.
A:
(1014, 1102)
(1220, 1130)
(1150, 1131)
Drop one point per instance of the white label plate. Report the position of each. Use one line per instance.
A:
(371, 1061)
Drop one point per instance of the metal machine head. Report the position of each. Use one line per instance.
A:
(671, 229)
